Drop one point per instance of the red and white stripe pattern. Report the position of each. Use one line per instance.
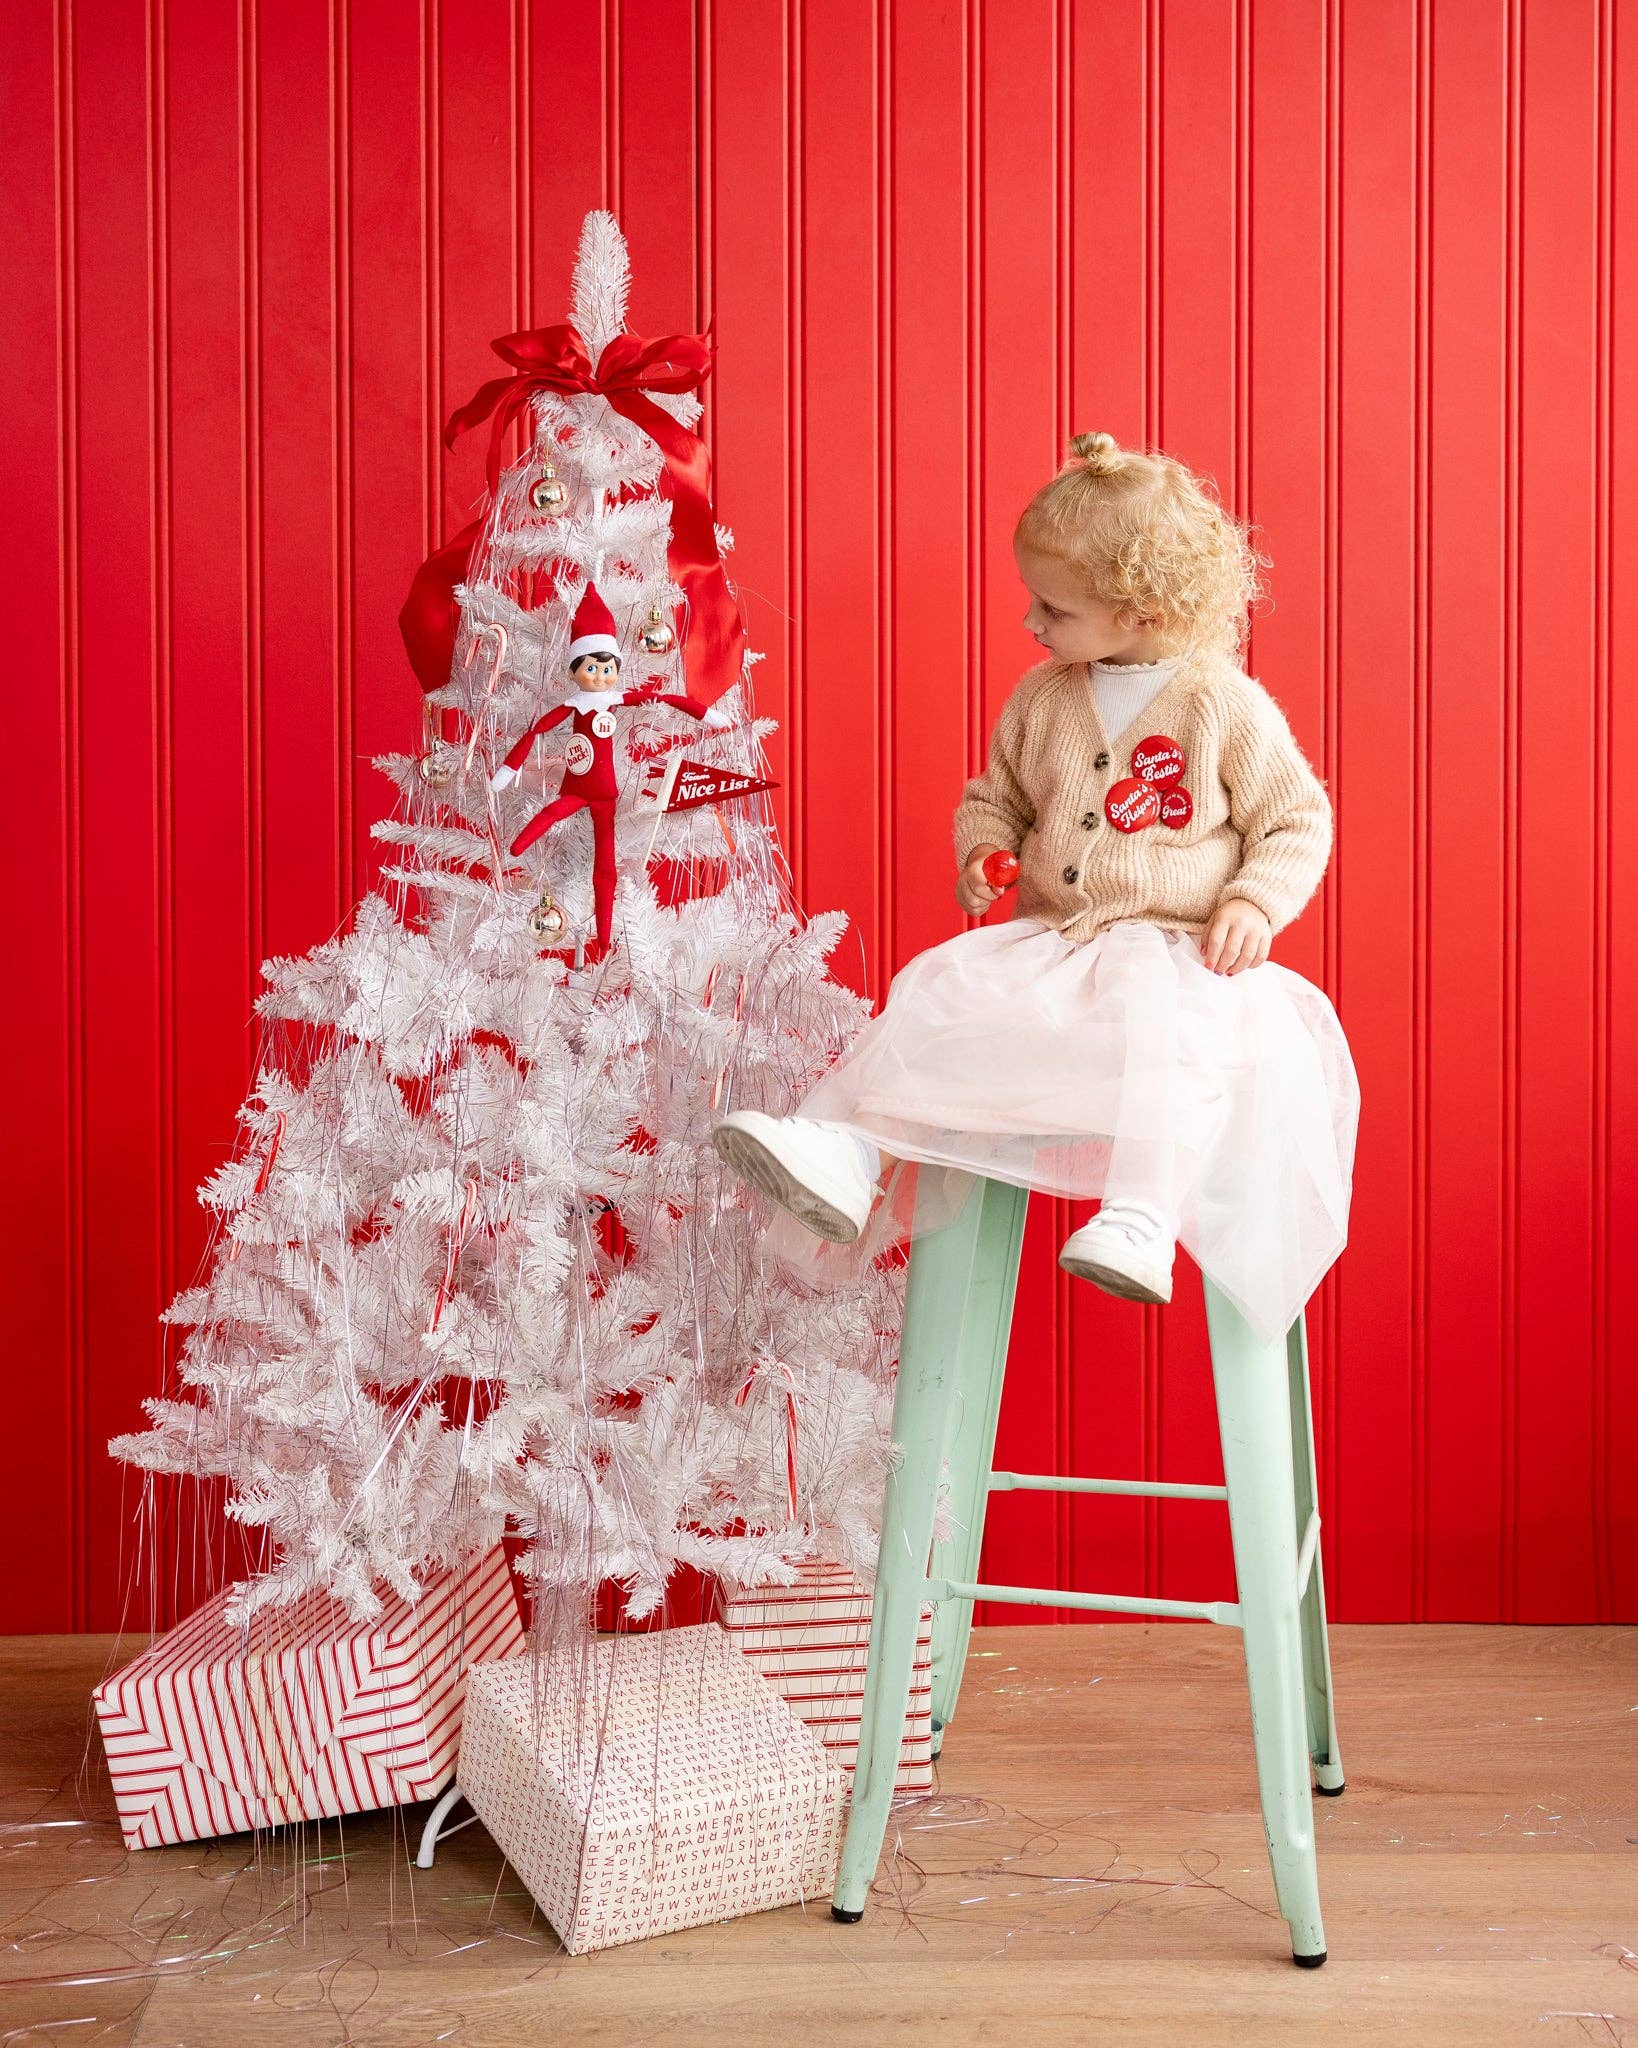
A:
(301, 1713)
(811, 1640)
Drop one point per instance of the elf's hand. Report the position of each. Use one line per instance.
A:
(1238, 937)
(973, 892)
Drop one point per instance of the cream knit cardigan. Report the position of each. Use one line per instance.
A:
(1261, 826)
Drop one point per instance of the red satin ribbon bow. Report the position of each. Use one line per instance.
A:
(555, 359)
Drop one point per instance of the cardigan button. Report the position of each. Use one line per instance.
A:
(1070, 874)
(1089, 823)
(1101, 762)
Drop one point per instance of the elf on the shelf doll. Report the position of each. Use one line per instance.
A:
(589, 783)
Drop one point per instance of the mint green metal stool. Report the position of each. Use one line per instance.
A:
(952, 1356)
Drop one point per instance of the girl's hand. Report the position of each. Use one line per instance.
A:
(973, 892)
(1238, 937)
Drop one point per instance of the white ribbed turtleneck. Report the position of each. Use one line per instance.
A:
(1122, 690)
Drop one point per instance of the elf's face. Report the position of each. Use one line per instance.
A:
(595, 672)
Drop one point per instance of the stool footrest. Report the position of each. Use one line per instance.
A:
(1305, 1556)
(1225, 1612)
(1147, 1489)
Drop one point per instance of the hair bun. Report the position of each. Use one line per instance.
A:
(1098, 454)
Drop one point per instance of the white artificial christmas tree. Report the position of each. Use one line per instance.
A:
(477, 1269)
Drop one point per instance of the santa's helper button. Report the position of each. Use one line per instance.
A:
(1130, 804)
(1158, 760)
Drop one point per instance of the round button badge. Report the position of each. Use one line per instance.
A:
(577, 755)
(1176, 808)
(602, 723)
(1158, 759)
(1131, 804)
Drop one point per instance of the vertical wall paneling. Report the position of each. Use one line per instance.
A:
(1617, 1500)
(43, 1200)
(1363, 264)
(1466, 939)
(1017, 52)
(1375, 781)
(1284, 464)
(747, 156)
(1113, 225)
(1559, 746)
(842, 676)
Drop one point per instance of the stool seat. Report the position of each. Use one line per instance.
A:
(952, 1360)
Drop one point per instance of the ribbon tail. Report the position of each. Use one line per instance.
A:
(431, 617)
(713, 650)
(476, 409)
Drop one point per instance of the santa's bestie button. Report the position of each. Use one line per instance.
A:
(1158, 760)
(1131, 804)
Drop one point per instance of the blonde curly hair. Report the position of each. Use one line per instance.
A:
(1149, 538)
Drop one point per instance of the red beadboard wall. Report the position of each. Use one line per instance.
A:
(1362, 263)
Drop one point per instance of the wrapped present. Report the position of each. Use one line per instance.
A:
(301, 1712)
(650, 1783)
(811, 1640)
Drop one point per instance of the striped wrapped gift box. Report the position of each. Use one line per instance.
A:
(811, 1640)
(302, 1713)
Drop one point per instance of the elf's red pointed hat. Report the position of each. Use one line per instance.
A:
(593, 626)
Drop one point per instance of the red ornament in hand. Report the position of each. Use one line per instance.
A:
(1000, 869)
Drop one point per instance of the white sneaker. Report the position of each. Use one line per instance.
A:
(822, 1172)
(1126, 1249)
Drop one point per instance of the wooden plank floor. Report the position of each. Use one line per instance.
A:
(1091, 1869)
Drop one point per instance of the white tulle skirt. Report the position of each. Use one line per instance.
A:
(1121, 1066)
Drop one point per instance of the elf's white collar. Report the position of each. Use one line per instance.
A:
(594, 700)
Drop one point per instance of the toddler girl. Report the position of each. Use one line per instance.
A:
(1125, 1035)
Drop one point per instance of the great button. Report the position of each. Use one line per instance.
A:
(1089, 822)
(1070, 874)
(1101, 762)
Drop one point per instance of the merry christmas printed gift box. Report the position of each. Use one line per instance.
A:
(300, 1713)
(810, 1640)
(650, 1782)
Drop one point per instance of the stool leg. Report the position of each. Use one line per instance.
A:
(1316, 1644)
(999, 1241)
(931, 1346)
(1254, 1419)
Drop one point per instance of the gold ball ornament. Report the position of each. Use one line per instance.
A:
(546, 921)
(548, 492)
(436, 767)
(657, 637)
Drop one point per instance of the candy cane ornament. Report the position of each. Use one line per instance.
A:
(264, 1175)
(458, 1236)
(792, 1421)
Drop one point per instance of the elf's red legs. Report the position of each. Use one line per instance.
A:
(602, 819)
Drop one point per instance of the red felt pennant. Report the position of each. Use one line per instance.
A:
(699, 783)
